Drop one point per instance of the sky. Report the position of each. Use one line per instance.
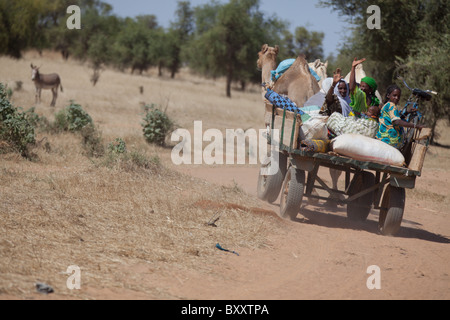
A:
(296, 12)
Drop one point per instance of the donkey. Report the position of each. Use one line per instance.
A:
(45, 81)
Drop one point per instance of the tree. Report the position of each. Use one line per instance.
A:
(18, 24)
(413, 42)
(309, 43)
(133, 43)
(227, 39)
(428, 66)
(178, 36)
(399, 20)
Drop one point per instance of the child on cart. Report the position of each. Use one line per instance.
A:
(391, 125)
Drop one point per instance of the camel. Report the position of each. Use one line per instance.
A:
(267, 61)
(297, 83)
(320, 68)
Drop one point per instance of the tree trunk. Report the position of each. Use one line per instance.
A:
(229, 80)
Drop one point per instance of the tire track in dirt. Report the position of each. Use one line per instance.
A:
(323, 255)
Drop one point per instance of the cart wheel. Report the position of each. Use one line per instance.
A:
(391, 213)
(359, 208)
(292, 193)
(269, 186)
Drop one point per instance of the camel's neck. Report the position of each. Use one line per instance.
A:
(267, 67)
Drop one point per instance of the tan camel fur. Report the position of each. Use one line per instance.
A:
(320, 68)
(267, 61)
(297, 83)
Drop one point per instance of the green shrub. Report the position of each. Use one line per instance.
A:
(16, 128)
(118, 146)
(72, 118)
(157, 125)
(118, 156)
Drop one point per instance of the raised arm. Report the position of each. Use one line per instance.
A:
(352, 83)
(336, 78)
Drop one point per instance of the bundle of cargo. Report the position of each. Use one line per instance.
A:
(362, 148)
(295, 124)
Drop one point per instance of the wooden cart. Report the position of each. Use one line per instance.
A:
(367, 184)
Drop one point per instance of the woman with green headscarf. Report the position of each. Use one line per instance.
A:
(364, 96)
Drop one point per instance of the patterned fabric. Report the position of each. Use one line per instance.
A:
(282, 102)
(340, 125)
(388, 132)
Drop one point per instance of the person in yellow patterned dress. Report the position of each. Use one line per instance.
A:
(391, 125)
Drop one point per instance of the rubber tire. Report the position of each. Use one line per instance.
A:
(269, 186)
(391, 217)
(359, 209)
(292, 193)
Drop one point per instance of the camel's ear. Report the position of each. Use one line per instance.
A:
(326, 64)
(264, 48)
(277, 49)
(317, 63)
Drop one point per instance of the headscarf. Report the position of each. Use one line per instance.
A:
(371, 82)
(345, 101)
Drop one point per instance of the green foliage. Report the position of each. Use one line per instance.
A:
(118, 146)
(16, 129)
(228, 38)
(413, 42)
(139, 44)
(215, 39)
(118, 156)
(157, 125)
(72, 118)
(309, 43)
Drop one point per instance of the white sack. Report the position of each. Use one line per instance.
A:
(315, 128)
(363, 148)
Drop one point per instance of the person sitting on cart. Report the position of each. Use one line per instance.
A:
(391, 126)
(337, 98)
(364, 96)
(373, 113)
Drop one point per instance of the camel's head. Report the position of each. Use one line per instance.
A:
(267, 54)
(320, 68)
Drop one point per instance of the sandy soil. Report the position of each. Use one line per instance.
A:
(320, 255)
(323, 255)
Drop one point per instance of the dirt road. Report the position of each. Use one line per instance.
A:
(323, 255)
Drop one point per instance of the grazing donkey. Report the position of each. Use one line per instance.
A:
(45, 81)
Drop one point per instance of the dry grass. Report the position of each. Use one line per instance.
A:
(67, 209)
(105, 214)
